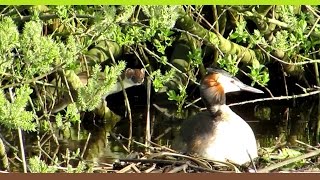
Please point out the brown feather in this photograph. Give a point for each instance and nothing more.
(211, 91)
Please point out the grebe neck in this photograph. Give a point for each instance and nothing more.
(213, 98)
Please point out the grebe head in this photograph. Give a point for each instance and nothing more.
(216, 83)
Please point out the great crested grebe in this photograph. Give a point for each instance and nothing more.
(219, 133)
(130, 77)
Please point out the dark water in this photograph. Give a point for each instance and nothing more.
(290, 119)
(271, 121)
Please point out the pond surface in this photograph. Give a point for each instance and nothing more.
(271, 121)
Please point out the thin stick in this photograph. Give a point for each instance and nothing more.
(316, 70)
(307, 145)
(20, 139)
(123, 146)
(33, 79)
(125, 169)
(275, 98)
(192, 103)
(151, 168)
(148, 133)
(263, 99)
(179, 168)
(126, 102)
(85, 146)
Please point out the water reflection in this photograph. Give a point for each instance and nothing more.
(272, 122)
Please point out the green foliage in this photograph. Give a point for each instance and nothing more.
(164, 16)
(9, 40)
(179, 98)
(41, 54)
(38, 54)
(159, 80)
(72, 113)
(74, 156)
(257, 38)
(288, 40)
(164, 40)
(59, 121)
(240, 34)
(258, 74)
(36, 165)
(62, 11)
(72, 116)
(69, 53)
(126, 12)
(82, 166)
(29, 57)
(195, 57)
(229, 63)
(89, 97)
(13, 114)
(270, 156)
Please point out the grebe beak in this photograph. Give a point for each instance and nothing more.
(244, 87)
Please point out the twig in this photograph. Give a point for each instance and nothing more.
(192, 103)
(45, 153)
(252, 162)
(311, 9)
(7, 143)
(307, 145)
(134, 167)
(141, 61)
(290, 63)
(179, 168)
(126, 102)
(284, 80)
(51, 16)
(150, 147)
(275, 98)
(148, 133)
(86, 145)
(151, 168)
(205, 169)
(33, 79)
(163, 147)
(153, 161)
(166, 131)
(264, 99)
(123, 146)
(289, 161)
(164, 111)
(202, 164)
(22, 151)
(125, 169)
